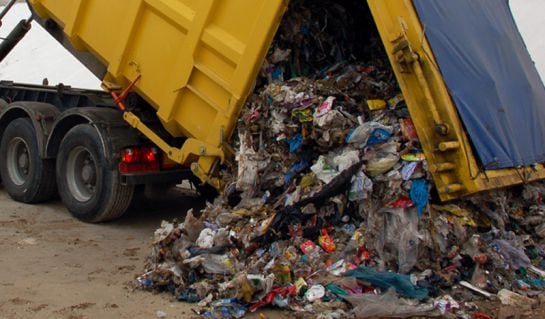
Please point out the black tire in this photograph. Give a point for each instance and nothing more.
(90, 190)
(26, 177)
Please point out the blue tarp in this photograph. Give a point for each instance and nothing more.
(491, 78)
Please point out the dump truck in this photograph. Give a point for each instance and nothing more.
(176, 75)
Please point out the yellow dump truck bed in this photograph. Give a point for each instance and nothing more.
(195, 62)
(198, 59)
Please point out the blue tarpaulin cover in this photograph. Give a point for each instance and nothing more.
(491, 78)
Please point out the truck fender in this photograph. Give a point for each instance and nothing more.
(42, 116)
(114, 132)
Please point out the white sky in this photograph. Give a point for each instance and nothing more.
(38, 55)
(530, 18)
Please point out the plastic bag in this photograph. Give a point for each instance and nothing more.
(514, 257)
(324, 171)
(360, 188)
(280, 55)
(163, 232)
(206, 238)
(384, 159)
(295, 143)
(372, 132)
(218, 264)
(388, 306)
(399, 238)
(325, 117)
(315, 292)
(225, 309)
(386, 280)
(329, 167)
(408, 170)
(346, 159)
(419, 195)
(381, 165)
(295, 169)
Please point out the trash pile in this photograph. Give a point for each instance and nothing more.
(329, 208)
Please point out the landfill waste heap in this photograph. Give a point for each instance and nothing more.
(330, 209)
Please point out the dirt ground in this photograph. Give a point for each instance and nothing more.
(54, 266)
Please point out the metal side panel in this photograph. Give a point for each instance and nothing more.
(448, 150)
(198, 59)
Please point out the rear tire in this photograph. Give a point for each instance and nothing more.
(26, 177)
(88, 188)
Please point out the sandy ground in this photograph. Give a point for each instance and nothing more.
(53, 266)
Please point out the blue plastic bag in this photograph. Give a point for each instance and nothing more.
(419, 195)
(386, 280)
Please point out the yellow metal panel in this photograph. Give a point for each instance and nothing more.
(198, 59)
(444, 140)
(63, 12)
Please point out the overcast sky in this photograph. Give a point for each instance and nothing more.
(38, 56)
(530, 17)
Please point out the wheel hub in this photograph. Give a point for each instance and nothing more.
(23, 161)
(88, 173)
(18, 161)
(81, 172)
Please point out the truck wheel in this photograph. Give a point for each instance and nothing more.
(26, 177)
(90, 190)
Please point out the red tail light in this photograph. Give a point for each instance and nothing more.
(128, 156)
(139, 160)
(150, 156)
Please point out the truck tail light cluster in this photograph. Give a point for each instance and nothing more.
(139, 160)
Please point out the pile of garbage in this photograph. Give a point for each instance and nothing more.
(330, 208)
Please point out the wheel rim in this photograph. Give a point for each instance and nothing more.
(18, 161)
(81, 172)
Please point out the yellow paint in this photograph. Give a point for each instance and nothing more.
(198, 60)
